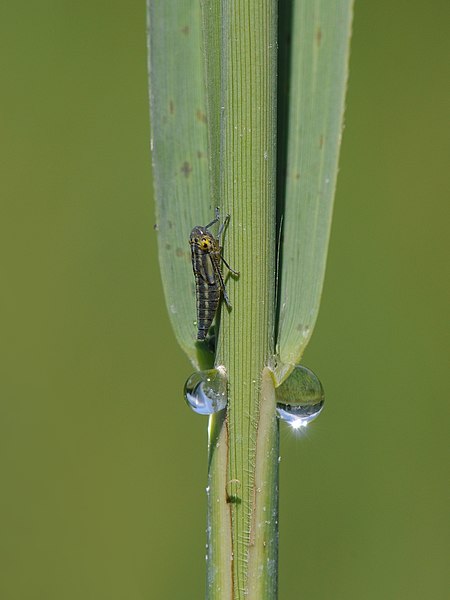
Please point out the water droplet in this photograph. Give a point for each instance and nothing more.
(206, 391)
(232, 489)
(300, 398)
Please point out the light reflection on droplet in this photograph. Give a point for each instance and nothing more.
(206, 391)
(300, 398)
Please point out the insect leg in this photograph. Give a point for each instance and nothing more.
(222, 227)
(228, 266)
(208, 269)
(222, 284)
(197, 266)
(225, 297)
(215, 220)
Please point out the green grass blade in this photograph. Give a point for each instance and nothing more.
(212, 52)
(318, 75)
(180, 160)
(246, 341)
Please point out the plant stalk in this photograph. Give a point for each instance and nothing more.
(243, 462)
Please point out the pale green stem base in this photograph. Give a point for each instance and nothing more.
(225, 506)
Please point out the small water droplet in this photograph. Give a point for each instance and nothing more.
(300, 398)
(206, 391)
(232, 489)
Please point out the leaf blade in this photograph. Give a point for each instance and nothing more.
(318, 78)
(179, 153)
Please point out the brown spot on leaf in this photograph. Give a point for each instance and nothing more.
(179, 252)
(171, 107)
(185, 30)
(321, 142)
(201, 116)
(297, 175)
(200, 154)
(318, 36)
(186, 169)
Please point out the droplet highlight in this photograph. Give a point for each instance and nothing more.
(206, 391)
(300, 398)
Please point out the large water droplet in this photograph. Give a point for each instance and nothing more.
(206, 391)
(300, 398)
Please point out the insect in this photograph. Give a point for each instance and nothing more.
(206, 263)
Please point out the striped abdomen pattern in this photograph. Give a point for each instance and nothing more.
(207, 260)
(208, 296)
(206, 256)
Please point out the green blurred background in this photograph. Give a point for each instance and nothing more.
(102, 466)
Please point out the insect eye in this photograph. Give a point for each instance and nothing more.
(196, 240)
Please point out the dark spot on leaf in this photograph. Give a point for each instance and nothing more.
(201, 116)
(168, 247)
(200, 154)
(318, 36)
(169, 224)
(179, 252)
(233, 499)
(171, 107)
(297, 175)
(185, 29)
(186, 169)
(321, 142)
(156, 227)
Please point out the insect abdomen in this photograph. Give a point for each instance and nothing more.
(208, 296)
(206, 254)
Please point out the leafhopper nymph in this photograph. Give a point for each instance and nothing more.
(207, 262)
